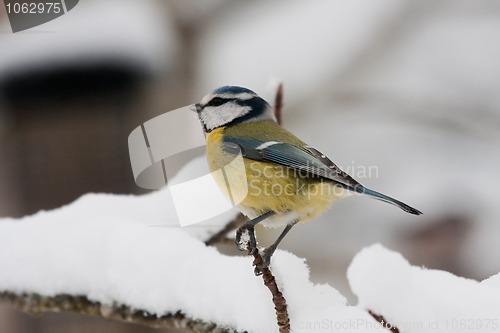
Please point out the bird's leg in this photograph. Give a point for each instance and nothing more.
(269, 251)
(245, 236)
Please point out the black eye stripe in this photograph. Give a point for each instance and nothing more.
(218, 101)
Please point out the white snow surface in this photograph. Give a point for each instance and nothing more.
(416, 299)
(112, 248)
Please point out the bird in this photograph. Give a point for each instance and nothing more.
(286, 180)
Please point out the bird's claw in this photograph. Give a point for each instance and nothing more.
(245, 239)
(263, 261)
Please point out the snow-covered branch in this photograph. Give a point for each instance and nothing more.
(416, 299)
(119, 250)
(35, 304)
(115, 256)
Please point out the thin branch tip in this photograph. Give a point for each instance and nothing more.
(278, 103)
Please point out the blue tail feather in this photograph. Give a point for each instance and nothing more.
(385, 198)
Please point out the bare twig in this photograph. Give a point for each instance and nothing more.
(279, 300)
(35, 304)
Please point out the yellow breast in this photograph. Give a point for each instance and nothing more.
(262, 186)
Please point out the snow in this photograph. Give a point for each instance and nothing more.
(416, 299)
(493, 281)
(111, 248)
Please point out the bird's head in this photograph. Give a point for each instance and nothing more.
(230, 105)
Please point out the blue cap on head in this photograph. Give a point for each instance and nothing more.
(232, 90)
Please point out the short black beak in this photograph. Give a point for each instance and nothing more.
(196, 107)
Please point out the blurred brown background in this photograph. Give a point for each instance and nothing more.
(410, 88)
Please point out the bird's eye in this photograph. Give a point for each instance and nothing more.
(216, 101)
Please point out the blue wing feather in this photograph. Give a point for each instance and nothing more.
(305, 159)
(311, 161)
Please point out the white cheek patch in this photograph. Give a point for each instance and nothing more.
(214, 117)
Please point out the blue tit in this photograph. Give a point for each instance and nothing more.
(287, 181)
